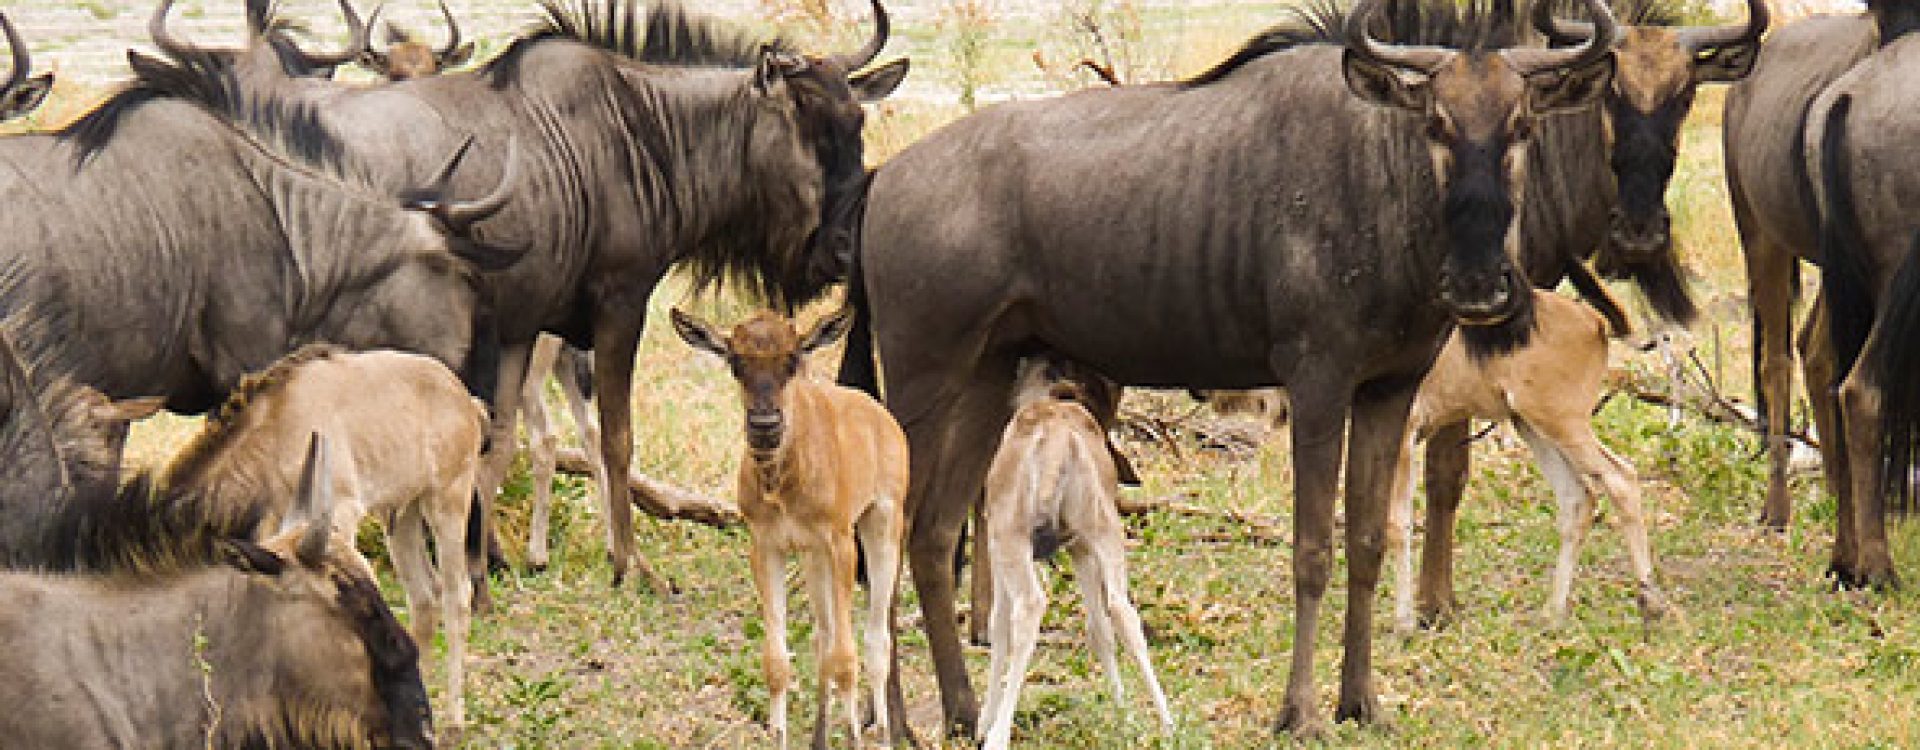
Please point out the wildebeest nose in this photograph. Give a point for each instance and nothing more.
(763, 420)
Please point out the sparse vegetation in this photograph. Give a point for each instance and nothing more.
(1761, 652)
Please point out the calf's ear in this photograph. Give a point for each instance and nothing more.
(828, 330)
(698, 334)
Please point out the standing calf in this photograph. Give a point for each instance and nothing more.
(407, 440)
(1548, 390)
(1053, 483)
(822, 464)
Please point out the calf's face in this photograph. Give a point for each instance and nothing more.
(764, 353)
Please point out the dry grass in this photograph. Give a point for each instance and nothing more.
(1762, 654)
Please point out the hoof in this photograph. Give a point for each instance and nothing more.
(497, 563)
(1359, 710)
(1437, 618)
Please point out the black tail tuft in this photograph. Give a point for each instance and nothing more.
(1893, 367)
(857, 365)
(1844, 267)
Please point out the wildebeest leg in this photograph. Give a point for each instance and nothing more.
(1574, 519)
(542, 443)
(1770, 295)
(981, 598)
(770, 579)
(407, 546)
(1448, 459)
(1093, 598)
(1106, 562)
(575, 385)
(615, 340)
(1860, 418)
(1817, 366)
(497, 459)
(882, 529)
(448, 519)
(1016, 629)
(830, 587)
(1319, 417)
(1373, 443)
(1400, 534)
(950, 449)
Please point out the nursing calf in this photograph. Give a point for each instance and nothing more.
(1053, 483)
(1548, 390)
(823, 463)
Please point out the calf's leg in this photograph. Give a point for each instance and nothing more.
(542, 448)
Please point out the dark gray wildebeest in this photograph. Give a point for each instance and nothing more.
(277, 643)
(652, 140)
(1624, 150)
(1212, 234)
(1772, 199)
(184, 255)
(21, 93)
(407, 56)
(1859, 159)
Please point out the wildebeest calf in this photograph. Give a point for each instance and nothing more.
(1548, 389)
(407, 439)
(1053, 483)
(286, 645)
(823, 463)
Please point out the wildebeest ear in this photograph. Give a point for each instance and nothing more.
(1383, 84)
(878, 83)
(129, 410)
(26, 97)
(827, 330)
(246, 556)
(1725, 64)
(1557, 91)
(774, 67)
(697, 333)
(459, 57)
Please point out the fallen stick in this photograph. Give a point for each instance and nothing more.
(660, 499)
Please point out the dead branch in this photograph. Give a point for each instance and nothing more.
(1699, 399)
(660, 499)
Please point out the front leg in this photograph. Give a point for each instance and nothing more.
(770, 580)
(1374, 439)
(1449, 457)
(1319, 416)
(615, 341)
(495, 460)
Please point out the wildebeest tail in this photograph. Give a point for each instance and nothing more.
(857, 366)
(1844, 266)
(1596, 295)
(1893, 368)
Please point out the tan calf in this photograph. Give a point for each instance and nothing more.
(822, 464)
(406, 442)
(1053, 482)
(1548, 390)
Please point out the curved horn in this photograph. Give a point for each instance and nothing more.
(316, 503)
(362, 37)
(881, 28)
(1415, 58)
(458, 217)
(453, 33)
(165, 40)
(1598, 44)
(21, 65)
(1559, 31)
(1704, 37)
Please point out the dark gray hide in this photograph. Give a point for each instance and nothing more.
(182, 256)
(650, 140)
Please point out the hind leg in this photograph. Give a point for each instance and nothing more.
(1860, 410)
(1770, 294)
(407, 545)
(1105, 566)
(495, 462)
(1817, 365)
(1400, 534)
(1575, 516)
(1448, 459)
(1090, 579)
(449, 523)
(542, 445)
(1022, 601)
(770, 580)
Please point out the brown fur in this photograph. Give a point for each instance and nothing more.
(837, 469)
(1548, 390)
(408, 438)
(1052, 474)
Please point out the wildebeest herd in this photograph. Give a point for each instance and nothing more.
(1358, 206)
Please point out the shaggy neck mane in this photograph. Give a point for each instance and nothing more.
(1471, 25)
(208, 78)
(194, 464)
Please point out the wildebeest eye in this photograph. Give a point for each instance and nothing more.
(1522, 128)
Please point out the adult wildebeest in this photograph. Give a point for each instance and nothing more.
(407, 57)
(652, 141)
(21, 93)
(295, 648)
(1115, 228)
(1624, 150)
(271, 50)
(1772, 200)
(1859, 134)
(178, 292)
